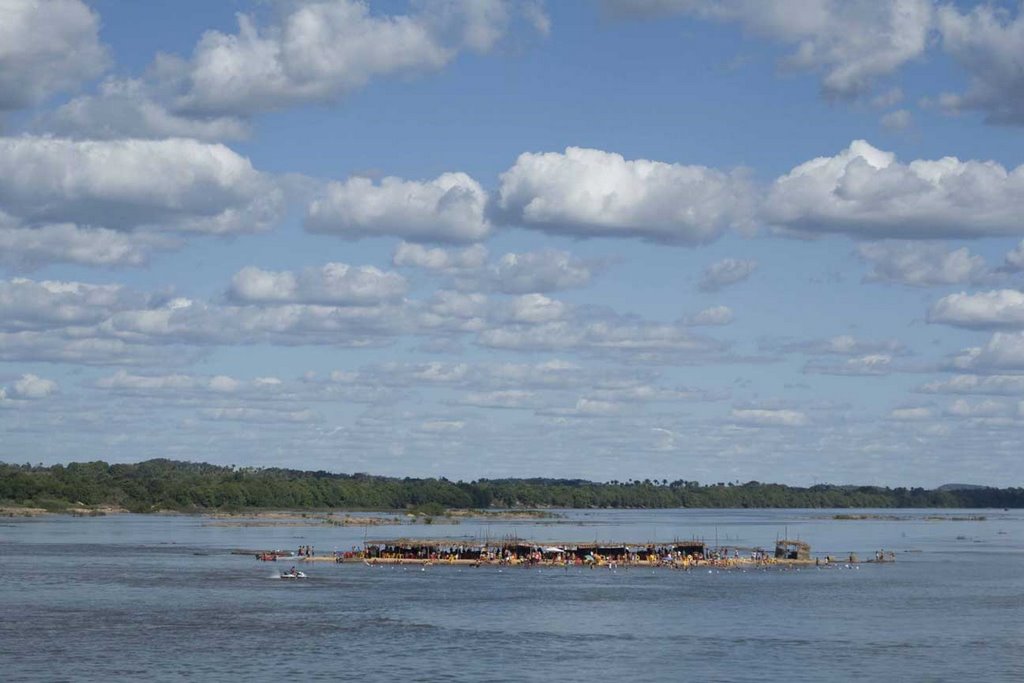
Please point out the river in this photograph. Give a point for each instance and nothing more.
(137, 597)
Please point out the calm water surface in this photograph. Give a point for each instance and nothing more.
(162, 598)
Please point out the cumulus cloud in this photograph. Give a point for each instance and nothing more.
(46, 47)
(866, 192)
(1004, 352)
(985, 408)
(986, 42)
(27, 247)
(996, 308)
(613, 335)
(872, 365)
(442, 426)
(996, 385)
(449, 208)
(506, 399)
(319, 51)
(586, 407)
(917, 414)
(31, 387)
(35, 305)
(130, 108)
(726, 272)
(762, 417)
(896, 120)
(86, 347)
(175, 385)
(444, 260)
(1015, 258)
(533, 309)
(841, 345)
(332, 283)
(539, 271)
(922, 264)
(258, 415)
(715, 315)
(175, 184)
(851, 43)
(547, 270)
(592, 193)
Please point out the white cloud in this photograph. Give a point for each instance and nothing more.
(922, 264)
(726, 272)
(842, 345)
(534, 309)
(888, 98)
(875, 364)
(46, 47)
(865, 192)
(539, 271)
(611, 334)
(128, 108)
(897, 120)
(318, 51)
(987, 42)
(996, 385)
(83, 347)
(444, 260)
(647, 393)
(449, 208)
(442, 426)
(591, 193)
(1015, 258)
(25, 247)
(996, 308)
(332, 284)
(125, 381)
(715, 315)
(985, 408)
(173, 184)
(853, 43)
(182, 385)
(586, 407)
(1004, 352)
(910, 414)
(258, 415)
(508, 398)
(34, 305)
(34, 387)
(547, 270)
(761, 417)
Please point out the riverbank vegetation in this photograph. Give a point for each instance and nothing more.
(156, 485)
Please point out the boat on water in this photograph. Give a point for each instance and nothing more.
(293, 574)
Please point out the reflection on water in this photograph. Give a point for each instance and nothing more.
(129, 597)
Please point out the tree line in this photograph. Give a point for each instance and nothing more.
(185, 486)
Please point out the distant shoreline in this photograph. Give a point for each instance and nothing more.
(156, 486)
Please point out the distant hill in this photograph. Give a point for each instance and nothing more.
(961, 487)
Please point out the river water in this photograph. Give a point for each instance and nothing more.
(133, 597)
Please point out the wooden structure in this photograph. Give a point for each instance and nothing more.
(787, 549)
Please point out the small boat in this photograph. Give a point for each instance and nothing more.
(293, 574)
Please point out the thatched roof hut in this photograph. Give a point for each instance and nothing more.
(787, 549)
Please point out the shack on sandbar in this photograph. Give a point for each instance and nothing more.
(787, 549)
(426, 550)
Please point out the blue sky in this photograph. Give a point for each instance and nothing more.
(666, 238)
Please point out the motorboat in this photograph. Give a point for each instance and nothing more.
(293, 574)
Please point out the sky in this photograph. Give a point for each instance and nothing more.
(610, 239)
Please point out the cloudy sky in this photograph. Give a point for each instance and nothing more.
(718, 241)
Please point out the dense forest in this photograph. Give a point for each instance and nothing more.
(185, 486)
